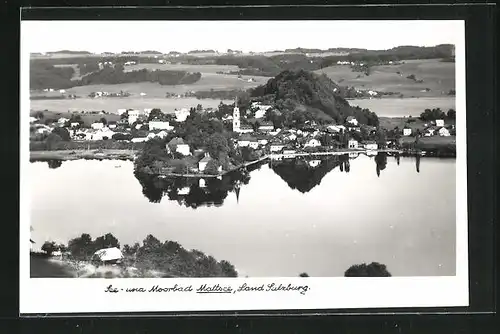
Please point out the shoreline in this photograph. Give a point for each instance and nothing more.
(105, 154)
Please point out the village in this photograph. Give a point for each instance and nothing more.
(260, 138)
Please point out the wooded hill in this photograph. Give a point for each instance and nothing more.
(306, 95)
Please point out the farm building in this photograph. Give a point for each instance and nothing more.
(111, 255)
(406, 131)
(352, 143)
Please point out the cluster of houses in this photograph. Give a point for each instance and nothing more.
(434, 128)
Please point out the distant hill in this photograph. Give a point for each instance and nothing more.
(201, 51)
(69, 52)
(315, 96)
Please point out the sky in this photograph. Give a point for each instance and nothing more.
(257, 36)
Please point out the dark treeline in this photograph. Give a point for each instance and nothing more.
(117, 76)
(44, 75)
(218, 94)
(168, 257)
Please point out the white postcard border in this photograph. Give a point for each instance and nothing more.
(65, 295)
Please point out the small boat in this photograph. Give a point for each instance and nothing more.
(118, 166)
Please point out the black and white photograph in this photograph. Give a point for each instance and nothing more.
(179, 151)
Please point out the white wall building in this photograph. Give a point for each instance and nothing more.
(159, 125)
(313, 143)
(183, 149)
(439, 122)
(182, 114)
(406, 131)
(97, 125)
(371, 146)
(352, 143)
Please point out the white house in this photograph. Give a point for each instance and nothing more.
(103, 134)
(74, 124)
(276, 147)
(202, 164)
(336, 128)
(245, 129)
(33, 119)
(371, 145)
(352, 121)
(183, 149)
(97, 125)
(183, 191)
(313, 143)
(112, 126)
(244, 142)
(121, 111)
(314, 163)
(406, 131)
(352, 143)
(62, 91)
(266, 126)
(147, 111)
(372, 93)
(142, 94)
(439, 122)
(156, 124)
(253, 143)
(262, 141)
(444, 132)
(108, 255)
(182, 114)
(139, 139)
(62, 120)
(202, 183)
(132, 119)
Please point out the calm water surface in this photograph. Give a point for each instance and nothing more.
(281, 219)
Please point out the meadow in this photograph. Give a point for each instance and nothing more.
(396, 107)
(208, 81)
(437, 76)
(182, 67)
(111, 105)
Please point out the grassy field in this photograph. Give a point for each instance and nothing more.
(438, 76)
(431, 142)
(111, 105)
(395, 107)
(208, 81)
(182, 67)
(87, 119)
(390, 123)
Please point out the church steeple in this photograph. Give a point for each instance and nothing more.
(237, 191)
(236, 116)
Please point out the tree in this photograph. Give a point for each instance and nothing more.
(303, 275)
(49, 247)
(52, 141)
(63, 133)
(217, 144)
(451, 114)
(155, 113)
(106, 241)
(212, 167)
(39, 115)
(81, 247)
(374, 269)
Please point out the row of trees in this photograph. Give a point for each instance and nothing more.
(168, 256)
(437, 113)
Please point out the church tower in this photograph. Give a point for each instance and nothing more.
(236, 116)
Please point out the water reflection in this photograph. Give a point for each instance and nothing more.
(53, 164)
(301, 173)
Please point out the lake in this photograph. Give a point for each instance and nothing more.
(280, 219)
(396, 107)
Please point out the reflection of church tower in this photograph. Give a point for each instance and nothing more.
(397, 158)
(378, 170)
(236, 116)
(237, 191)
(417, 163)
(347, 166)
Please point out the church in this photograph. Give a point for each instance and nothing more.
(237, 127)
